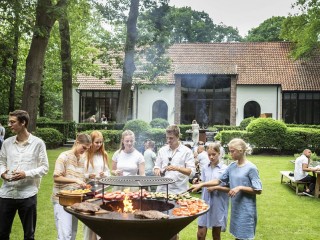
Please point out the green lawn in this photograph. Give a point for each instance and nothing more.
(282, 215)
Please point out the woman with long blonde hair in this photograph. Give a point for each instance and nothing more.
(127, 161)
(96, 167)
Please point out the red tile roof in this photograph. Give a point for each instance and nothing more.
(265, 63)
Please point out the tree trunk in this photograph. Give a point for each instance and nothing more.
(66, 67)
(42, 100)
(14, 65)
(45, 18)
(129, 66)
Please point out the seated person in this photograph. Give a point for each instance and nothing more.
(301, 170)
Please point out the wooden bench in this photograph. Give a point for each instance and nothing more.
(294, 184)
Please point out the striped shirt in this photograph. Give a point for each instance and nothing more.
(67, 165)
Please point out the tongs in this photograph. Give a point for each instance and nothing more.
(185, 192)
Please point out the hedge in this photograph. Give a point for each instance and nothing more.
(226, 136)
(298, 139)
(52, 137)
(67, 129)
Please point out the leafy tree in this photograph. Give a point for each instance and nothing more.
(193, 26)
(303, 29)
(268, 31)
(45, 18)
(86, 38)
(15, 25)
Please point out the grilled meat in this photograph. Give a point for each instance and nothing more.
(85, 207)
(152, 214)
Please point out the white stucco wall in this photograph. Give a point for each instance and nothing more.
(144, 98)
(76, 104)
(268, 97)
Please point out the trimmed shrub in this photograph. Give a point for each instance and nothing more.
(226, 127)
(302, 125)
(298, 139)
(140, 129)
(67, 129)
(159, 123)
(52, 137)
(267, 133)
(226, 136)
(245, 122)
(137, 126)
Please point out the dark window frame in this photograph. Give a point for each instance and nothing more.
(301, 107)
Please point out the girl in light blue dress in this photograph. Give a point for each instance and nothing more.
(216, 197)
(244, 181)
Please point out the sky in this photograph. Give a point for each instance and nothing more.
(241, 14)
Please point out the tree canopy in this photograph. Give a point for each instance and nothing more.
(303, 29)
(268, 31)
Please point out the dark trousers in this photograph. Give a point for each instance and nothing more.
(27, 210)
(312, 180)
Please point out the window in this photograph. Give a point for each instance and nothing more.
(205, 98)
(160, 110)
(98, 103)
(301, 107)
(251, 109)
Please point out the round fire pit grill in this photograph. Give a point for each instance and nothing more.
(122, 226)
(136, 181)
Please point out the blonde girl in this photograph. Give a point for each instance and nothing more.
(96, 165)
(244, 181)
(216, 197)
(127, 161)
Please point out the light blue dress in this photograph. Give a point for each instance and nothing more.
(217, 200)
(243, 219)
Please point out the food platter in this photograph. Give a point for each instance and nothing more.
(69, 197)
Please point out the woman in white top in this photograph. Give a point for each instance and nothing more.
(95, 167)
(127, 161)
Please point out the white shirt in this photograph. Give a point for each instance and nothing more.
(181, 157)
(128, 162)
(98, 167)
(298, 172)
(31, 158)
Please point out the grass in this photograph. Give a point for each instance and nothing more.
(282, 214)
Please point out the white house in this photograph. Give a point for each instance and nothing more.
(216, 83)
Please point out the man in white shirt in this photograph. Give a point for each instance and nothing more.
(174, 161)
(301, 170)
(23, 161)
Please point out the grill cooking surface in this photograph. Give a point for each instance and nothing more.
(136, 181)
